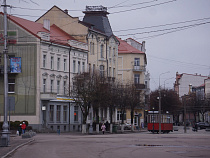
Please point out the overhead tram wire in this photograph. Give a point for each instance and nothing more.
(148, 27)
(153, 36)
(143, 7)
(130, 5)
(186, 26)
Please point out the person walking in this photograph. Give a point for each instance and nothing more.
(103, 128)
(23, 127)
(20, 129)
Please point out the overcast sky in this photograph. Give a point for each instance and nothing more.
(181, 45)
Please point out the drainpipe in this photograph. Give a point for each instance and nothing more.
(69, 83)
(107, 58)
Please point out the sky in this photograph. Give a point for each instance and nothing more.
(176, 32)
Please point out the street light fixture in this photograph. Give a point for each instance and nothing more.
(166, 80)
(159, 115)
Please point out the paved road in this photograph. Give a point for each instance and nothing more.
(143, 144)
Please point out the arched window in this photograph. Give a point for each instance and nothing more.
(102, 70)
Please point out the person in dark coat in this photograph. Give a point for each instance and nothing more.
(20, 129)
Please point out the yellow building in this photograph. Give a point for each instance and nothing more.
(131, 69)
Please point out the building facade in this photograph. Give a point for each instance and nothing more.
(95, 30)
(39, 92)
(131, 69)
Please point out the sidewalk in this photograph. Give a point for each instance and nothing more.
(15, 143)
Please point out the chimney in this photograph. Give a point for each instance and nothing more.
(143, 47)
(190, 89)
(66, 11)
(47, 24)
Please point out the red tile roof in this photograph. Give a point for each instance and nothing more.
(124, 47)
(56, 34)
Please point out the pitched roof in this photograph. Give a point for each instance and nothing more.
(57, 35)
(124, 47)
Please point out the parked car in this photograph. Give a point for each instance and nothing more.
(202, 125)
(127, 126)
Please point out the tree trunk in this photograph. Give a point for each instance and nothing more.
(84, 129)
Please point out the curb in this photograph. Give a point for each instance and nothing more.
(17, 148)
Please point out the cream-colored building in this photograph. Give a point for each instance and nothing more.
(131, 69)
(102, 44)
(96, 32)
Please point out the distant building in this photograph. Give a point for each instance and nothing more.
(181, 85)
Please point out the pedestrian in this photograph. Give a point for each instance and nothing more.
(23, 126)
(196, 127)
(20, 129)
(103, 128)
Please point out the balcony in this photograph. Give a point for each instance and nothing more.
(139, 68)
(140, 86)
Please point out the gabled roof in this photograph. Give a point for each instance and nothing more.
(57, 35)
(124, 47)
(58, 9)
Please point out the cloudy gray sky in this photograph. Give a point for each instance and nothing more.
(177, 32)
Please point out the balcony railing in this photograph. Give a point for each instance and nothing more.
(139, 68)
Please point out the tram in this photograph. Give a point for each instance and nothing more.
(153, 122)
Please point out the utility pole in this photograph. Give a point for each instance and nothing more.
(5, 132)
(159, 111)
(185, 128)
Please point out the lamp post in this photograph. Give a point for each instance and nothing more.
(166, 80)
(5, 132)
(153, 120)
(159, 111)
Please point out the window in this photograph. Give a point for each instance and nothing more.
(146, 84)
(76, 108)
(102, 51)
(74, 66)
(78, 66)
(51, 114)
(44, 61)
(51, 86)
(83, 66)
(101, 70)
(94, 68)
(58, 64)
(58, 113)
(58, 86)
(64, 113)
(119, 116)
(44, 85)
(136, 78)
(114, 52)
(113, 72)
(64, 87)
(110, 55)
(52, 63)
(11, 85)
(136, 61)
(64, 65)
(91, 48)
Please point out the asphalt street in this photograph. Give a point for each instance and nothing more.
(139, 144)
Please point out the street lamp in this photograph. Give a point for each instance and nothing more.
(166, 80)
(159, 111)
(153, 120)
